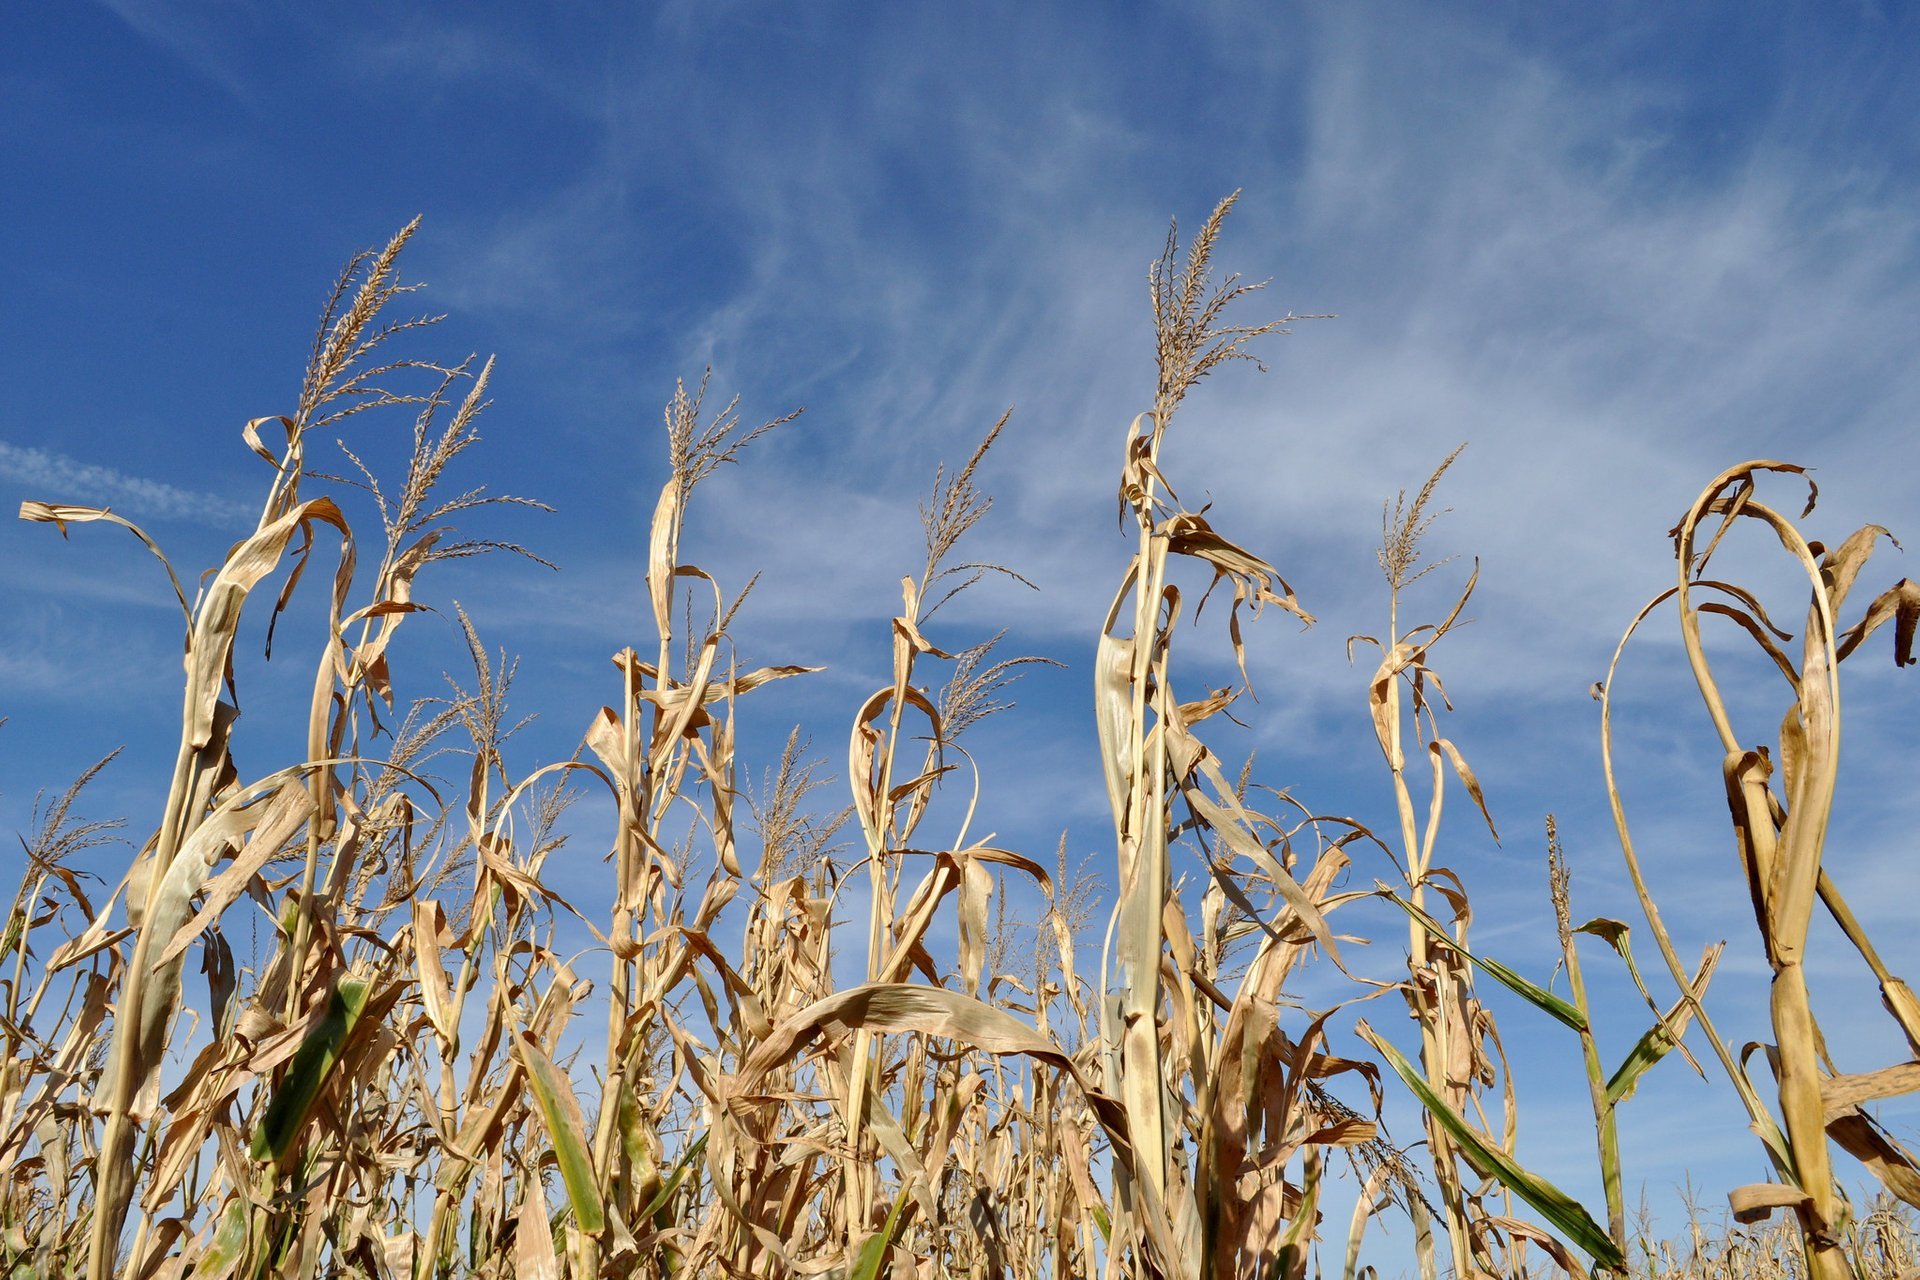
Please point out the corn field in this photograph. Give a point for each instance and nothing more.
(404, 1055)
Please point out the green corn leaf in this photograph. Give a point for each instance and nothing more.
(873, 1250)
(560, 1111)
(1293, 1244)
(1537, 996)
(229, 1242)
(1615, 934)
(680, 1170)
(1650, 1048)
(1663, 1036)
(1556, 1206)
(307, 1075)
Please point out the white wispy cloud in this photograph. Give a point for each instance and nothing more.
(1521, 256)
(55, 477)
(200, 36)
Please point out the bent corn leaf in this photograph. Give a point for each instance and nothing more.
(1539, 997)
(1662, 1037)
(1555, 1205)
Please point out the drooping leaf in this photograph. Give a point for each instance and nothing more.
(1556, 1206)
(1662, 1037)
(681, 1168)
(1538, 996)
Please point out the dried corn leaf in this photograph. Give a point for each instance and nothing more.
(533, 1252)
(1899, 604)
(210, 649)
(60, 516)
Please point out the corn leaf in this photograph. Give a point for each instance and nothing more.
(560, 1111)
(873, 1250)
(1664, 1036)
(680, 1170)
(229, 1243)
(1555, 1205)
(312, 1064)
(1537, 996)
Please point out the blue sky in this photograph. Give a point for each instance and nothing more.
(1614, 248)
